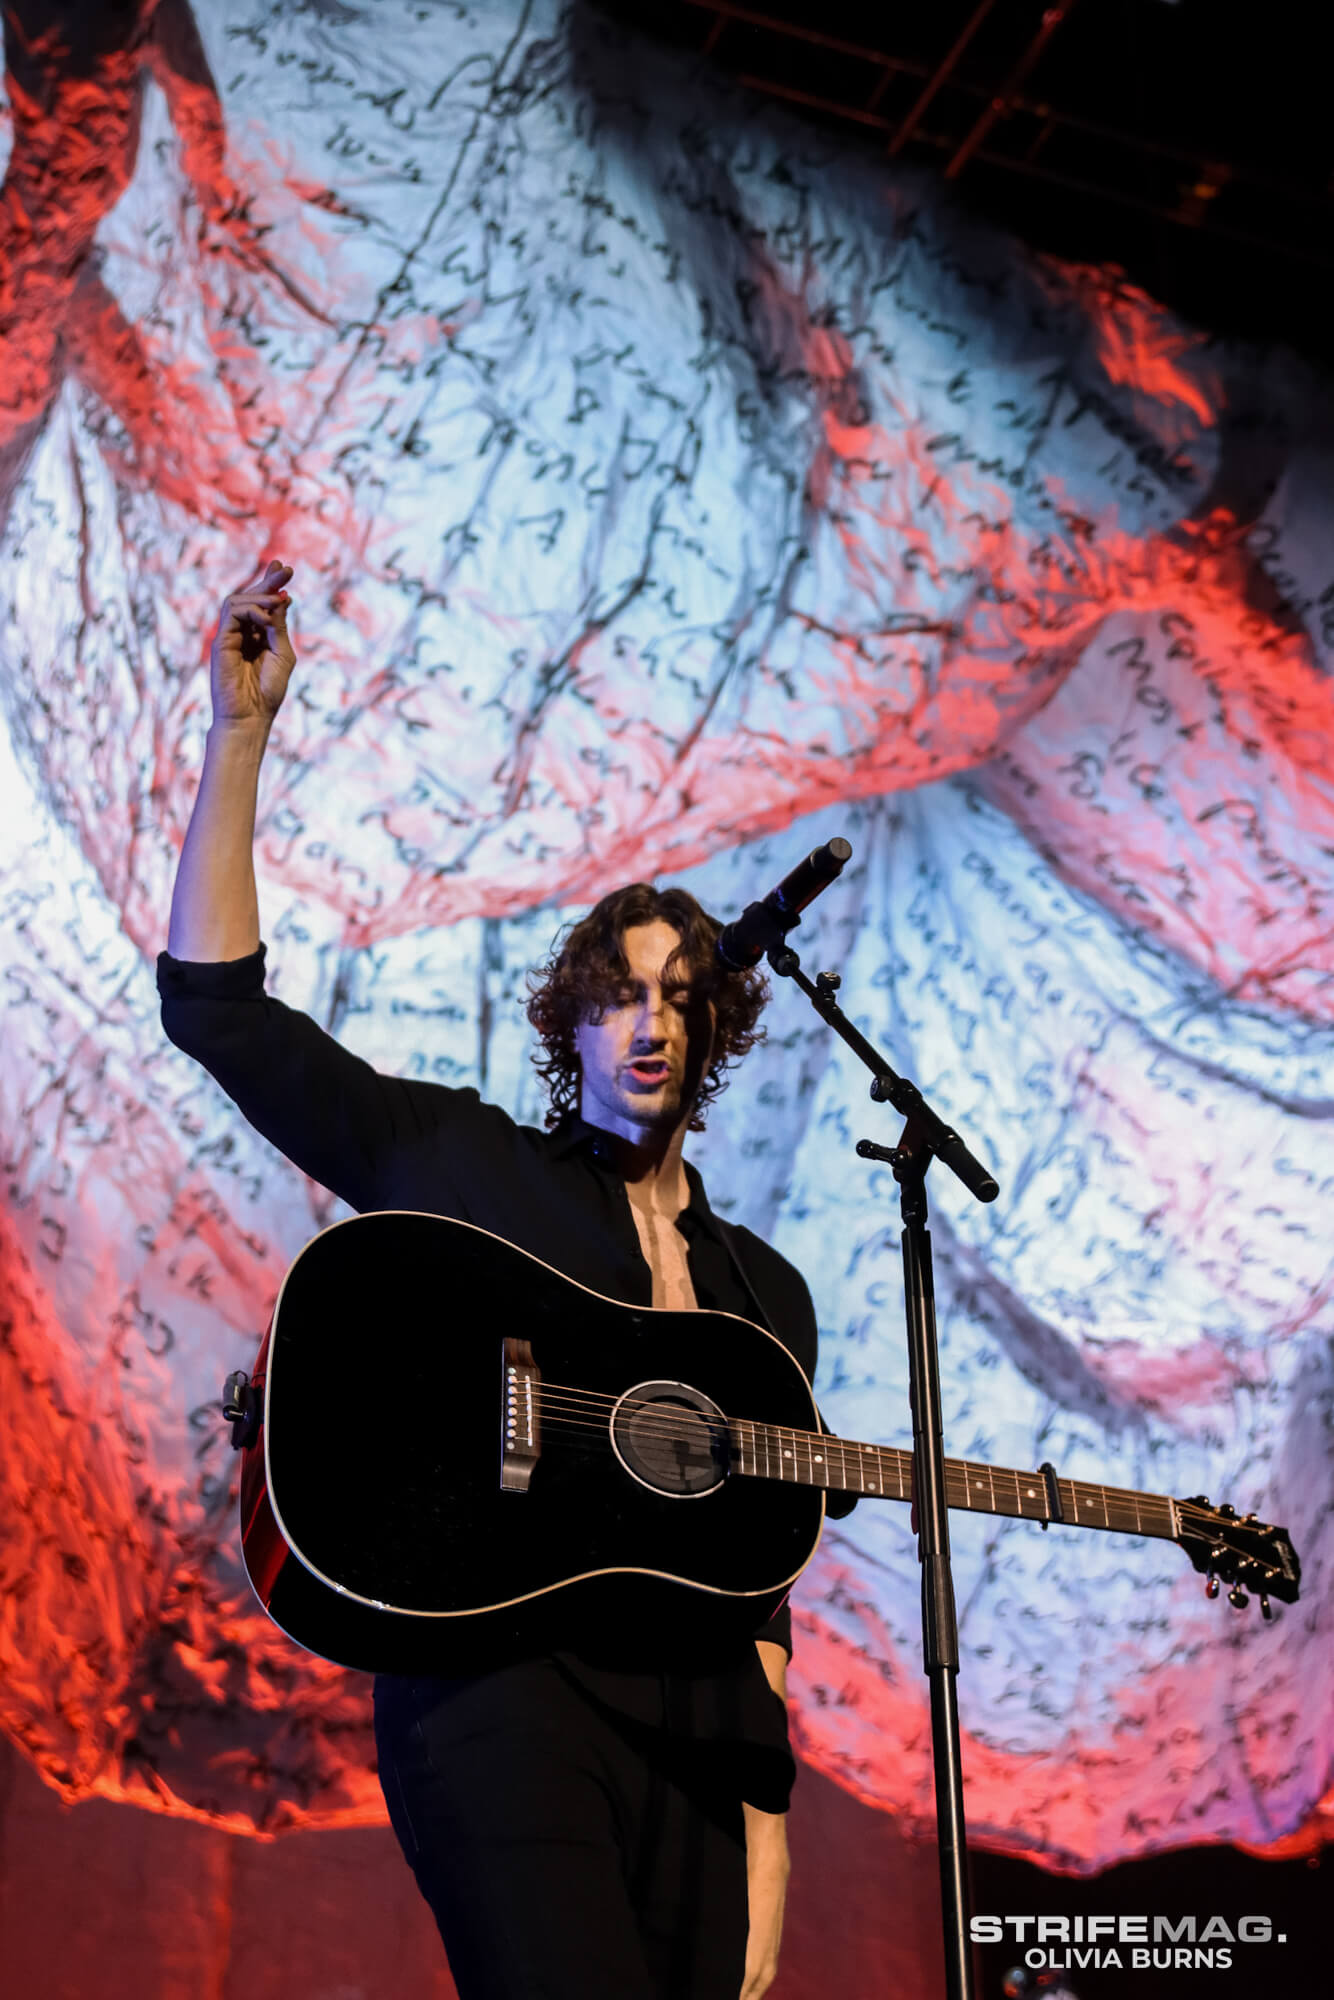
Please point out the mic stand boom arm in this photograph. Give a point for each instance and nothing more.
(925, 1137)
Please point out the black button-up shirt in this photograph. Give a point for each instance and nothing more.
(381, 1142)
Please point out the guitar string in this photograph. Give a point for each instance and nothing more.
(1178, 1514)
(602, 1436)
(659, 1433)
(568, 1413)
(573, 1398)
(598, 1434)
(666, 1428)
(664, 1433)
(955, 1489)
(572, 1394)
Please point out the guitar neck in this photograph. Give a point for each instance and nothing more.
(840, 1465)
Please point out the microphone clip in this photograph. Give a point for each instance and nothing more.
(761, 928)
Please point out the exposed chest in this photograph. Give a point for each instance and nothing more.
(667, 1256)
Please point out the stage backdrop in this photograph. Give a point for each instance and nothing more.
(667, 490)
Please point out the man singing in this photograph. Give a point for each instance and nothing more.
(606, 1820)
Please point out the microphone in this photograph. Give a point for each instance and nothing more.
(744, 942)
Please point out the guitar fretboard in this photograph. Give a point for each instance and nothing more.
(840, 1465)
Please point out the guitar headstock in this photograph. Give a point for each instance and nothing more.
(1236, 1549)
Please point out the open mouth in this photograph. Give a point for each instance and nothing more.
(648, 1071)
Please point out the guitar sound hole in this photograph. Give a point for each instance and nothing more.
(671, 1438)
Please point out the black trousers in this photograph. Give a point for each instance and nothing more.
(565, 1851)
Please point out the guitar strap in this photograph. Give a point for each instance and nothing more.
(728, 1235)
(734, 1248)
(765, 1320)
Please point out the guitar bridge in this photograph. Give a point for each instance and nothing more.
(521, 1425)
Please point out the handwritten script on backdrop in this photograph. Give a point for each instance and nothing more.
(667, 489)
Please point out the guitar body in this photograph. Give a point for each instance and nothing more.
(375, 1528)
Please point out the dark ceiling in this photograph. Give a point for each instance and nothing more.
(1189, 141)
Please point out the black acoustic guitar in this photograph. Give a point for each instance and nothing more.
(452, 1449)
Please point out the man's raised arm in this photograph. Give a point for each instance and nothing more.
(214, 908)
(332, 1114)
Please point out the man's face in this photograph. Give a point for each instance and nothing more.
(641, 1065)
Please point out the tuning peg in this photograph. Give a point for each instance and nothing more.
(1237, 1598)
(829, 982)
(1266, 1611)
(1211, 1587)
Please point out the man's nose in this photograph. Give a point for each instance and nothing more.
(651, 1022)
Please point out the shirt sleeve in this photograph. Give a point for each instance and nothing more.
(330, 1113)
(786, 1299)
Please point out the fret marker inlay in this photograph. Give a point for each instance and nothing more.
(845, 1466)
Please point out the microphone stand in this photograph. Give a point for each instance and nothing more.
(925, 1137)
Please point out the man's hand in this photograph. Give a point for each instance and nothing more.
(767, 1864)
(214, 908)
(767, 1870)
(252, 657)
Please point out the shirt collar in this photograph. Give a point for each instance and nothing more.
(697, 1211)
(574, 1133)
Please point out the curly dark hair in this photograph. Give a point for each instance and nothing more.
(586, 974)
